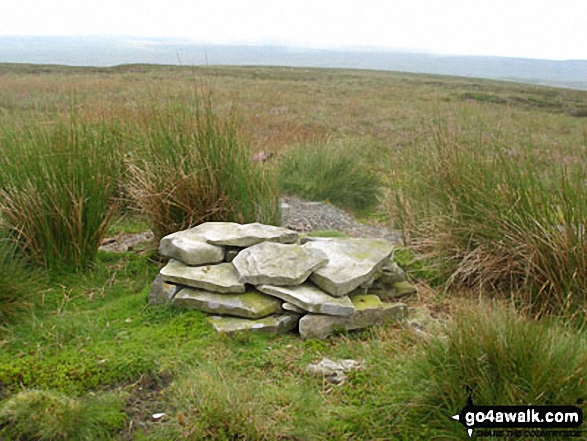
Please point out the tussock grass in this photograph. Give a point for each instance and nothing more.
(195, 167)
(48, 415)
(505, 358)
(329, 172)
(492, 221)
(57, 182)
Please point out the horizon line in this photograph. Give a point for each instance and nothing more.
(288, 46)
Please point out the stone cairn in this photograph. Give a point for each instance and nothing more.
(266, 278)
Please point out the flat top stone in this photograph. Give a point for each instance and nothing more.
(311, 298)
(218, 278)
(351, 262)
(277, 264)
(240, 235)
(190, 248)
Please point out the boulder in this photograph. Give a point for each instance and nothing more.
(311, 298)
(351, 263)
(369, 310)
(190, 248)
(278, 324)
(161, 292)
(271, 263)
(221, 278)
(251, 304)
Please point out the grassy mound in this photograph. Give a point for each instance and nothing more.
(505, 358)
(329, 172)
(47, 415)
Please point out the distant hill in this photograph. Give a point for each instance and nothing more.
(111, 51)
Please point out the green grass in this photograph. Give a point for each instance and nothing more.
(496, 222)
(505, 358)
(94, 335)
(326, 233)
(215, 402)
(484, 177)
(194, 167)
(329, 172)
(18, 284)
(57, 182)
(48, 415)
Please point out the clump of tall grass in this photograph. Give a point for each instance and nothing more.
(505, 358)
(331, 172)
(49, 415)
(494, 221)
(57, 182)
(194, 167)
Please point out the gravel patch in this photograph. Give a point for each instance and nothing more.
(306, 216)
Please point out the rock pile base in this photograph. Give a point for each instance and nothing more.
(256, 277)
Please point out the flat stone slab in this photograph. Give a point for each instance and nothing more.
(271, 263)
(278, 324)
(351, 262)
(311, 298)
(161, 292)
(221, 278)
(252, 305)
(369, 311)
(190, 248)
(245, 235)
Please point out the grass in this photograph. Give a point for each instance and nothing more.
(493, 222)
(505, 358)
(18, 284)
(194, 167)
(485, 178)
(215, 402)
(329, 172)
(57, 182)
(48, 415)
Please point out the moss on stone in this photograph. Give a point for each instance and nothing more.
(366, 301)
(401, 289)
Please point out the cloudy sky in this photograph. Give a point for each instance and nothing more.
(548, 29)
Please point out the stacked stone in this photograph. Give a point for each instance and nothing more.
(262, 277)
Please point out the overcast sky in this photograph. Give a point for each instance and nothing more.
(549, 29)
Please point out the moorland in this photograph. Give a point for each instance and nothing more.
(485, 180)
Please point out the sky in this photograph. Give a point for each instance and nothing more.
(544, 29)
